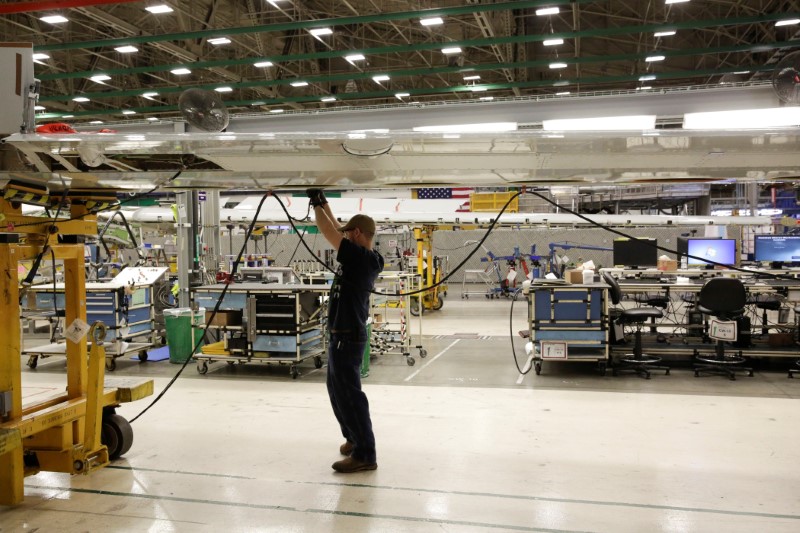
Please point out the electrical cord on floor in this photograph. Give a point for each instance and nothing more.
(648, 243)
(522, 371)
(423, 289)
(213, 313)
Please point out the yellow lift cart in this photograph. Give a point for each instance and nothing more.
(77, 431)
(431, 269)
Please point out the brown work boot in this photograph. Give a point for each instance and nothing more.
(346, 448)
(346, 466)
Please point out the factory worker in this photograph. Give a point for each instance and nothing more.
(348, 311)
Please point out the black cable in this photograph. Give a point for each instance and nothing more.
(213, 313)
(658, 247)
(424, 289)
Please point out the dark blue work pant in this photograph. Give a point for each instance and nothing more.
(350, 404)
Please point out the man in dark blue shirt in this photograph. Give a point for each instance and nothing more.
(348, 311)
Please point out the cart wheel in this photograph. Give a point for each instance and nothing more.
(143, 355)
(415, 307)
(410, 361)
(163, 341)
(318, 362)
(537, 367)
(423, 353)
(231, 363)
(116, 433)
(202, 367)
(111, 364)
(294, 372)
(438, 304)
(34, 360)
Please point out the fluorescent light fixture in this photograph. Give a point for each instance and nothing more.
(299, 83)
(488, 127)
(127, 49)
(486, 98)
(319, 32)
(181, 71)
(451, 50)
(98, 78)
(152, 119)
(380, 77)
(742, 72)
(772, 117)
(665, 33)
(631, 122)
(259, 102)
(39, 108)
(651, 59)
(354, 57)
(561, 83)
(40, 55)
(328, 99)
(263, 64)
(647, 77)
(787, 22)
(216, 41)
(158, 9)
(650, 134)
(478, 89)
(552, 42)
(274, 3)
(562, 93)
(400, 96)
(128, 112)
(223, 89)
(54, 19)
(431, 21)
(80, 99)
(668, 2)
(276, 110)
(149, 95)
(68, 116)
(96, 122)
(547, 11)
(472, 77)
(451, 136)
(558, 65)
(644, 88)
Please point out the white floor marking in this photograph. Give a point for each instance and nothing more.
(435, 357)
(524, 368)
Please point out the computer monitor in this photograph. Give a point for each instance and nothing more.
(636, 252)
(777, 248)
(701, 252)
(682, 246)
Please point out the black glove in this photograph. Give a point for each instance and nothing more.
(317, 197)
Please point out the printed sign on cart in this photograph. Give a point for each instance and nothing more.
(553, 350)
(722, 330)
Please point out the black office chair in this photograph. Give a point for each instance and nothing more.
(724, 298)
(765, 302)
(636, 362)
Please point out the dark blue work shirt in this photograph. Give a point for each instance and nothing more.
(348, 308)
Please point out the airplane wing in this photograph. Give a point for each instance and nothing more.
(137, 162)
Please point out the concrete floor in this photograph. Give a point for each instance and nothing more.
(464, 444)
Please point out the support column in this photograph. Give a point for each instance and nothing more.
(211, 240)
(186, 244)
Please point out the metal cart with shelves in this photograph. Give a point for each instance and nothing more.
(126, 305)
(391, 326)
(267, 323)
(568, 323)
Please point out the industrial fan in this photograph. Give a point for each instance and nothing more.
(203, 109)
(786, 79)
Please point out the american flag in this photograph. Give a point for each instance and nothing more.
(444, 193)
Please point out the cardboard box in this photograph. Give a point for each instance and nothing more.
(574, 276)
(225, 317)
(667, 264)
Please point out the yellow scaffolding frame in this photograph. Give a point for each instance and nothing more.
(61, 434)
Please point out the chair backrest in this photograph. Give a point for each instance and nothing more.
(723, 296)
(614, 292)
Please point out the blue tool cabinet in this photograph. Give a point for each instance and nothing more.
(568, 323)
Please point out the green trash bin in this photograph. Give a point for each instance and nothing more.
(182, 334)
(365, 362)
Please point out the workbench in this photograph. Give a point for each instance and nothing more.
(267, 323)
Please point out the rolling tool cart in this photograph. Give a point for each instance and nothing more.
(391, 326)
(568, 323)
(274, 324)
(126, 306)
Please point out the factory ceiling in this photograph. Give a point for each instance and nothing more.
(283, 55)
